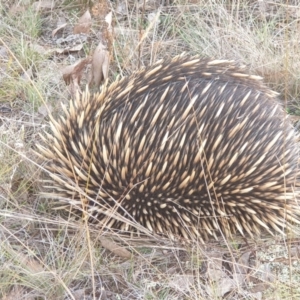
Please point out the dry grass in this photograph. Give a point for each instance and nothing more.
(44, 255)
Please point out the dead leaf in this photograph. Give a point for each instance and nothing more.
(241, 268)
(100, 65)
(266, 273)
(18, 292)
(5, 109)
(16, 9)
(72, 39)
(181, 282)
(3, 53)
(99, 10)
(45, 110)
(27, 75)
(221, 283)
(54, 32)
(43, 4)
(29, 263)
(152, 17)
(154, 21)
(295, 252)
(76, 48)
(121, 8)
(60, 21)
(214, 266)
(108, 20)
(244, 262)
(79, 294)
(113, 247)
(72, 74)
(38, 48)
(262, 6)
(257, 295)
(84, 23)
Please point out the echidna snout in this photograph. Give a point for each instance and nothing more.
(186, 147)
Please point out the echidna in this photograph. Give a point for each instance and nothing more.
(188, 147)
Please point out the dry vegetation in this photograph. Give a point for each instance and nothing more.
(46, 44)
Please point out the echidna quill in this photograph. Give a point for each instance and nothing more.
(187, 147)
